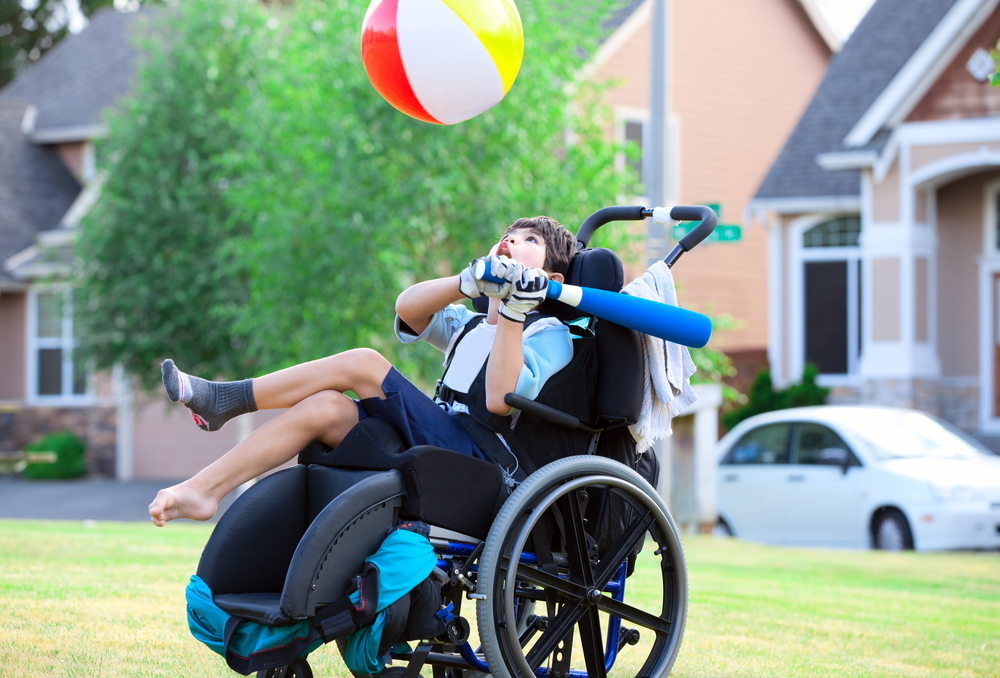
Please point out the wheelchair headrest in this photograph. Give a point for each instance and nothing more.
(599, 268)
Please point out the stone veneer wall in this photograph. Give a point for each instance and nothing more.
(95, 426)
(954, 399)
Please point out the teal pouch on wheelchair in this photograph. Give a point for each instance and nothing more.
(403, 561)
(208, 623)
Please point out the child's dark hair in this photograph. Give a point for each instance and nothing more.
(560, 244)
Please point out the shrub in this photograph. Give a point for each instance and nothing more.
(763, 398)
(69, 461)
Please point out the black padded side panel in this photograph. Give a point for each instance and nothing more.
(450, 490)
(326, 484)
(619, 372)
(262, 608)
(249, 549)
(334, 548)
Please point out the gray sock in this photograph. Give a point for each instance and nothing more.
(212, 403)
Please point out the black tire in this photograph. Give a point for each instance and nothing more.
(578, 594)
(299, 668)
(891, 531)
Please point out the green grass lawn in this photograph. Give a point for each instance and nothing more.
(107, 599)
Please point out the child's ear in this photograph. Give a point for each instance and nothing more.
(558, 277)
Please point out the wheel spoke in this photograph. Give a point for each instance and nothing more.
(614, 556)
(634, 615)
(578, 555)
(552, 582)
(557, 629)
(592, 643)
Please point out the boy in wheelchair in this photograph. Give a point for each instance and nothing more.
(512, 351)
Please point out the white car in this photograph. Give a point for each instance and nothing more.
(858, 477)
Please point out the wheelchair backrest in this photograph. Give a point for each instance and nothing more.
(602, 384)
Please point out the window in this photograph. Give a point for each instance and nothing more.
(813, 441)
(839, 232)
(764, 445)
(831, 295)
(54, 373)
(633, 139)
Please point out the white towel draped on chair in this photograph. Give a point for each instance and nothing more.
(668, 366)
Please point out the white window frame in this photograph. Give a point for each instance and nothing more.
(622, 116)
(989, 265)
(799, 255)
(66, 342)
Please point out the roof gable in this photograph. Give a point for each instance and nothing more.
(924, 65)
(956, 93)
(857, 76)
(36, 189)
(77, 79)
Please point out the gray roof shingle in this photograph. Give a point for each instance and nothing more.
(73, 83)
(879, 47)
(36, 189)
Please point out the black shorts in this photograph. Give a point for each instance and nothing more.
(419, 420)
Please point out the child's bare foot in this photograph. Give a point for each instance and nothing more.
(181, 501)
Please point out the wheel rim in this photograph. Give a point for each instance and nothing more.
(580, 592)
(890, 534)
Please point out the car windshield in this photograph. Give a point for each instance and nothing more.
(895, 435)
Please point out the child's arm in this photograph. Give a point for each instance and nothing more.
(417, 304)
(504, 365)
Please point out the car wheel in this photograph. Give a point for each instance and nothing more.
(722, 529)
(891, 531)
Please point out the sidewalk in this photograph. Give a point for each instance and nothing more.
(85, 499)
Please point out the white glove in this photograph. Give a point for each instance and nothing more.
(472, 287)
(528, 292)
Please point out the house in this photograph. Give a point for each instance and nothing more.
(49, 118)
(743, 73)
(737, 96)
(882, 214)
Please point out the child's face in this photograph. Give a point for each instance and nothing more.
(524, 245)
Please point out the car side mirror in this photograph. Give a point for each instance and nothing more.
(836, 456)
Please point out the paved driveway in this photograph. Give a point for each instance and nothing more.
(84, 499)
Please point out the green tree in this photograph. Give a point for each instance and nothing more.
(265, 206)
(153, 275)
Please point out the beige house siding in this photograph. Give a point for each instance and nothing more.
(885, 196)
(72, 155)
(923, 155)
(957, 94)
(885, 299)
(731, 130)
(169, 445)
(960, 237)
(13, 309)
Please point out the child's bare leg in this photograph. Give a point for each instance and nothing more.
(214, 403)
(327, 416)
(361, 370)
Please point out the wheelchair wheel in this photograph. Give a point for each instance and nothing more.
(571, 594)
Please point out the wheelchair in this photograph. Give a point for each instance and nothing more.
(545, 564)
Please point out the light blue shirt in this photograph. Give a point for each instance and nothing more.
(547, 346)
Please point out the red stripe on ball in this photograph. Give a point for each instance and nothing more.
(384, 66)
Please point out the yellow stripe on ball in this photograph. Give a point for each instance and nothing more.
(498, 25)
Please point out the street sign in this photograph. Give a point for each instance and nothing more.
(722, 232)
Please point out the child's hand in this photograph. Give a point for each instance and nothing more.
(500, 266)
(528, 291)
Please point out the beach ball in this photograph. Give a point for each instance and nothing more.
(442, 61)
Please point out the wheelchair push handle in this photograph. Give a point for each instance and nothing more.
(700, 213)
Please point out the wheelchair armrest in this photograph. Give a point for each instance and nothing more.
(548, 413)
